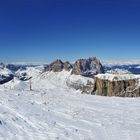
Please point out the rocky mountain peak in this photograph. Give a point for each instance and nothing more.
(58, 66)
(67, 66)
(87, 67)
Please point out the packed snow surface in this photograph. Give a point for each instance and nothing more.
(53, 111)
(117, 77)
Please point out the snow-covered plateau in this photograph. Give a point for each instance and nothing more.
(54, 111)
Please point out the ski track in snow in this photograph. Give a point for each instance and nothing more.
(53, 111)
(74, 116)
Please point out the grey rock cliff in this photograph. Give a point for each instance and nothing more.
(87, 67)
(58, 66)
(122, 88)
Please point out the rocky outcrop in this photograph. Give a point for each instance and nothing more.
(74, 84)
(23, 76)
(5, 78)
(55, 66)
(79, 82)
(87, 67)
(67, 66)
(89, 88)
(117, 87)
(58, 66)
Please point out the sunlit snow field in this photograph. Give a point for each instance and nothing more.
(52, 111)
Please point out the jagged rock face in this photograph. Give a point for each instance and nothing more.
(85, 67)
(55, 66)
(58, 66)
(88, 67)
(122, 88)
(67, 66)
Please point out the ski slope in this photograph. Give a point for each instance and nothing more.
(53, 111)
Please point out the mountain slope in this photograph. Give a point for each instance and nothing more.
(54, 110)
(67, 114)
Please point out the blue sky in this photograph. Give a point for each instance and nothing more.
(43, 30)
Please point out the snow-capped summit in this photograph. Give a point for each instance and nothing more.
(5, 74)
(29, 72)
(118, 71)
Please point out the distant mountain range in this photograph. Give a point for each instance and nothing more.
(79, 75)
(132, 66)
